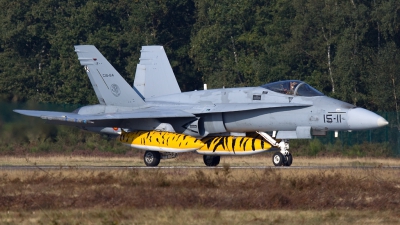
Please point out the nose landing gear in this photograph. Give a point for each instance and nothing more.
(283, 157)
(278, 159)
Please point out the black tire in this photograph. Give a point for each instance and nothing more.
(277, 159)
(211, 160)
(151, 158)
(288, 160)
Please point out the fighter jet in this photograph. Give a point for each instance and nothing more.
(155, 116)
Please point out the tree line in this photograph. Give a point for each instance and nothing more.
(348, 49)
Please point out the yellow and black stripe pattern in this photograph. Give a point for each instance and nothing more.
(160, 141)
(229, 145)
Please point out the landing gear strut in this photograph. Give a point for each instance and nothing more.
(211, 160)
(283, 157)
(152, 158)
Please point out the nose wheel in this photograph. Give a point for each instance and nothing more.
(278, 159)
(289, 160)
(283, 157)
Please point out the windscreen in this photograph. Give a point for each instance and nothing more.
(292, 87)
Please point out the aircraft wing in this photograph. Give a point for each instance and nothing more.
(234, 107)
(157, 112)
(89, 118)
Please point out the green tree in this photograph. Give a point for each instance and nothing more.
(167, 23)
(239, 43)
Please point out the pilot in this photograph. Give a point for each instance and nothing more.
(292, 88)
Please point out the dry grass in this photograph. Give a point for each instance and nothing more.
(196, 196)
(175, 216)
(191, 159)
(222, 189)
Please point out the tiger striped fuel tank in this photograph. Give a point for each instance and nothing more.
(230, 145)
(161, 141)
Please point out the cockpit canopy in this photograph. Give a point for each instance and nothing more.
(293, 87)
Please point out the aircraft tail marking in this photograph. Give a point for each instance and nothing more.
(110, 87)
(154, 76)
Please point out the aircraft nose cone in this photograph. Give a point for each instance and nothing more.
(360, 119)
(382, 122)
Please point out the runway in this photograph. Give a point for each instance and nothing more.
(47, 167)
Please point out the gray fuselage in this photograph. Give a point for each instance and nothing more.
(319, 113)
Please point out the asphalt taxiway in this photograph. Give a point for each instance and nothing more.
(48, 167)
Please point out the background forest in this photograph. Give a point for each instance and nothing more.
(349, 49)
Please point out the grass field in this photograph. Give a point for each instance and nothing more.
(174, 216)
(199, 196)
(191, 159)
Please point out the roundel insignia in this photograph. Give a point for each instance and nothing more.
(115, 90)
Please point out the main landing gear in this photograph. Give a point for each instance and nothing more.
(211, 160)
(283, 157)
(152, 158)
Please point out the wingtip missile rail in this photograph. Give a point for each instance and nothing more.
(67, 119)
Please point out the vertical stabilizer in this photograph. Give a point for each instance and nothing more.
(154, 76)
(110, 87)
